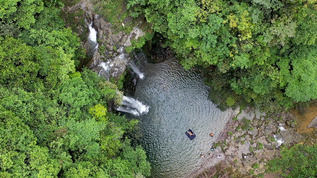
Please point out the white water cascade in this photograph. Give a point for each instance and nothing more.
(281, 128)
(132, 106)
(278, 140)
(93, 35)
(106, 66)
(92, 44)
(136, 70)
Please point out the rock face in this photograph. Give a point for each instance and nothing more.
(110, 58)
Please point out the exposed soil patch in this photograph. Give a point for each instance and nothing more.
(304, 119)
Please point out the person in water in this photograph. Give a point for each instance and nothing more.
(211, 134)
(190, 133)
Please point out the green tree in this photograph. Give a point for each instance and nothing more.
(20, 12)
(18, 65)
(301, 82)
(246, 42)
(137, 158)
(83, 136)
(75, 93)
(54, 121)
(297, 161)
(20, 156)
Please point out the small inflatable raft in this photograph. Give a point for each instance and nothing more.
(190, 134)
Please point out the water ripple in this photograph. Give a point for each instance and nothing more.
(178, 100)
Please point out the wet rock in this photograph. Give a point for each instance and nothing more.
(244, 156)
(279, 140)
(281, 127)
(290, 136)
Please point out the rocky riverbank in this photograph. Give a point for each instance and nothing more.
(248, 142)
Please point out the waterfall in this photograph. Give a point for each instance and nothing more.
(92, 42)
(132, 106)
(92, 33)
(136, 70)
(113, 66)
(128, 110)
(278, 140)
(105, 66)
(281, 128)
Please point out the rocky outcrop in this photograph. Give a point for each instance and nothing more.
(110, 58)
(250, 140)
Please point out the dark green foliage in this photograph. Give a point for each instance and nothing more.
(49, 20)
(18, 64)
(55, 65)
(19, 155)
(19, 12)
(74, 94)
(102, 89)
(261, 52)
(297, 161)
(54, 121)
(133, 161)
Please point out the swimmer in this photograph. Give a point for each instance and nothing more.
(190, 133)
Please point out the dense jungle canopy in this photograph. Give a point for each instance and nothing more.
(259, 52)
(54, 120)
